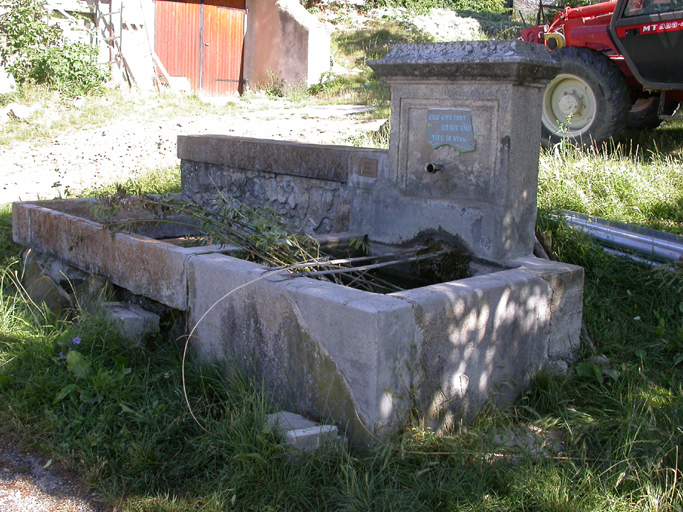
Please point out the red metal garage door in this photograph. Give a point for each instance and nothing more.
(202, 40)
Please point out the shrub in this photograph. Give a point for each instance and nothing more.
(36, 52)
(496, 6)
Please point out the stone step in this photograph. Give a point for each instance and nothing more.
(131, 320)
(304, 435)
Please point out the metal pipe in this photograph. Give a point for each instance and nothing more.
(649, 243)
(589, 10)
(632, 256)
(659, 249)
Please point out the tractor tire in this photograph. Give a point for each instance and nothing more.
(587, 102)
(644, 113)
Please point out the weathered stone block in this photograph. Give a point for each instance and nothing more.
(318, 346)
(486, 193)
(483, 338)
(44, 290)
(21, 223)
(566, 304)
(306, 204)
(143, 265)
(278, 157)
(304, 435)
(133, 322)
(306, 184)
(92, 292)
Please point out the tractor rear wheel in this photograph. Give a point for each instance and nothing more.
(588, 101)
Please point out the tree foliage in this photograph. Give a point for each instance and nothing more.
(36, 51)
(495, 6)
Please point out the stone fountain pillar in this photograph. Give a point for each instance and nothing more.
(464, 147)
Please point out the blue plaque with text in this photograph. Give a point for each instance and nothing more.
(450, 127)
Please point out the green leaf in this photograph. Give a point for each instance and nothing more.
(589, 370)
(611, 373)
(128, 410)
(121, 362)
(5, 380)
(584, 369)
(247, 456)
(89, 398)
(64, 392)
(78, 364)
(597, 374)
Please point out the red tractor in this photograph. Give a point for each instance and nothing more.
(621, 65)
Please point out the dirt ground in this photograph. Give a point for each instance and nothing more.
(31, 483)
(128, 148)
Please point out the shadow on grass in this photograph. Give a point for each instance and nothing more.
(9, 251)
(667, 215)
(666, 140)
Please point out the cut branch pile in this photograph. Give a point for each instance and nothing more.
(265, 239)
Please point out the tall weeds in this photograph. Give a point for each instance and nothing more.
(625, 181)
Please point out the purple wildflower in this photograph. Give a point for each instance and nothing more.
(61, 355)
(76, 341)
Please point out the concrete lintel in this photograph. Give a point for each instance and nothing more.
(302, 434)
(133, 322)
(312, 438)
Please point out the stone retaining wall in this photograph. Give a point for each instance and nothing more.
(306, 184)
(307, 204)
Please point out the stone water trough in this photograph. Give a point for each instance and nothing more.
(462, 165)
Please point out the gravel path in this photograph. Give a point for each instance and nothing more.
(30, 483)
(128, 148)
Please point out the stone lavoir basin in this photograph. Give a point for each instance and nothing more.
(459, 167)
